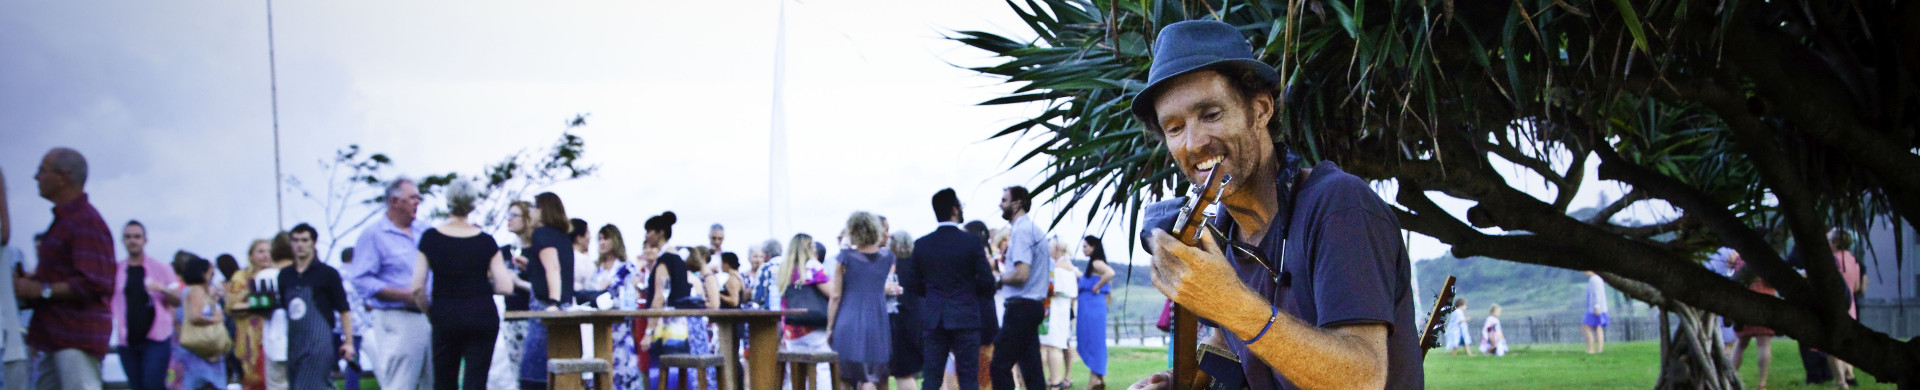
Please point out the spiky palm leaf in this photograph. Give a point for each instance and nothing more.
(1784, 114)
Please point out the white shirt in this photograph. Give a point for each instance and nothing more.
(13, 346)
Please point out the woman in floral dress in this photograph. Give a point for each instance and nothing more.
(248, 324)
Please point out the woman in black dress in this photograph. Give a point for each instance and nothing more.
(467, 270)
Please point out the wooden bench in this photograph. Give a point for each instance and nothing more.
(697, 364)
(575, 370)
(802, 364)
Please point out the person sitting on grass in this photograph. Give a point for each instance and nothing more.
(1493, 340)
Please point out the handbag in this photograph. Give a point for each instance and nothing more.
(806, 297)
(206, 341)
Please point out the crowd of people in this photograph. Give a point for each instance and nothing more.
(420, 296)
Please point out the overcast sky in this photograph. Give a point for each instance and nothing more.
(170, 103)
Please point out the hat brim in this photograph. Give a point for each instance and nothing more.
(1142, 106)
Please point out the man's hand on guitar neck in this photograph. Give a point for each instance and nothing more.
(1198, 278)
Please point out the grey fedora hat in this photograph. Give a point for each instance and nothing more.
(1195, 45)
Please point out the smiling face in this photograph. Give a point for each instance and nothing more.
(1208, 126)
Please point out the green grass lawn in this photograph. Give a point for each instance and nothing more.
(1633, 365)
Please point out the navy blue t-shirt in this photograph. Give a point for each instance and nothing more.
(1343, 263)
(329, 293)
(536, 272)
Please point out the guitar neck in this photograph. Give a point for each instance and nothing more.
(1186, 325)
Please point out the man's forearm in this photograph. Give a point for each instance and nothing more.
(1308, 356)
(1017, 277)
(395, 294)
(346, 327)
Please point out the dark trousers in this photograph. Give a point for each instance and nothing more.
(469, 342)
(146, 363)
(352, 376)
(964, 344)
(1019, 343)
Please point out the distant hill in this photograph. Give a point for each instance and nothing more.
(1521, 289)
(1132, 298)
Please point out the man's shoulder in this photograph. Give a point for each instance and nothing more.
(1328, 180)
(944, 236)
(1329, 189)
(1025, 226)
(83, 219)
(320, 268)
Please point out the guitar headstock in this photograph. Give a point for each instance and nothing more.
(1435, 325)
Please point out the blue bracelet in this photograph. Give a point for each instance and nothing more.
(1263, 330)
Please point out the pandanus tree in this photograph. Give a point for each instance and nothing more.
(1758, 123)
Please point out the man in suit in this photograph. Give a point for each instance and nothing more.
(950, 272)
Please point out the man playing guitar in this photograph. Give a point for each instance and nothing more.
(1303, 269)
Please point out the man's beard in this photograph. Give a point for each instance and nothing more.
(1006, 214)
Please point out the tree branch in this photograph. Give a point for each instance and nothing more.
(1819, 105)
(1606, 213)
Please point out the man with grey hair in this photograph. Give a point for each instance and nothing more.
(70, 288)
(715, 236)
(382, 273)
(760, 282)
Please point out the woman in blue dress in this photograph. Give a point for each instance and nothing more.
(857, 307)
(1091, 326)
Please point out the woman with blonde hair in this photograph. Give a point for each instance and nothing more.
(1056, 333)
(804, 269)
(857, 311)
(249, 322)
(510, 346)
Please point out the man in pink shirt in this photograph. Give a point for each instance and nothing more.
(145, 292)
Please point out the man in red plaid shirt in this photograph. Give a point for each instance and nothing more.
(70, 289)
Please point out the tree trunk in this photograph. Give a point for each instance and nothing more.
(1691, 356)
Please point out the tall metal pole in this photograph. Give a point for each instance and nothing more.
(273, 88)
(779, 202)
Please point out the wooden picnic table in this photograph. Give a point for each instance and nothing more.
(763, 330)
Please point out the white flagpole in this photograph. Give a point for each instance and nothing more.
(780, 203)
(273, 89)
